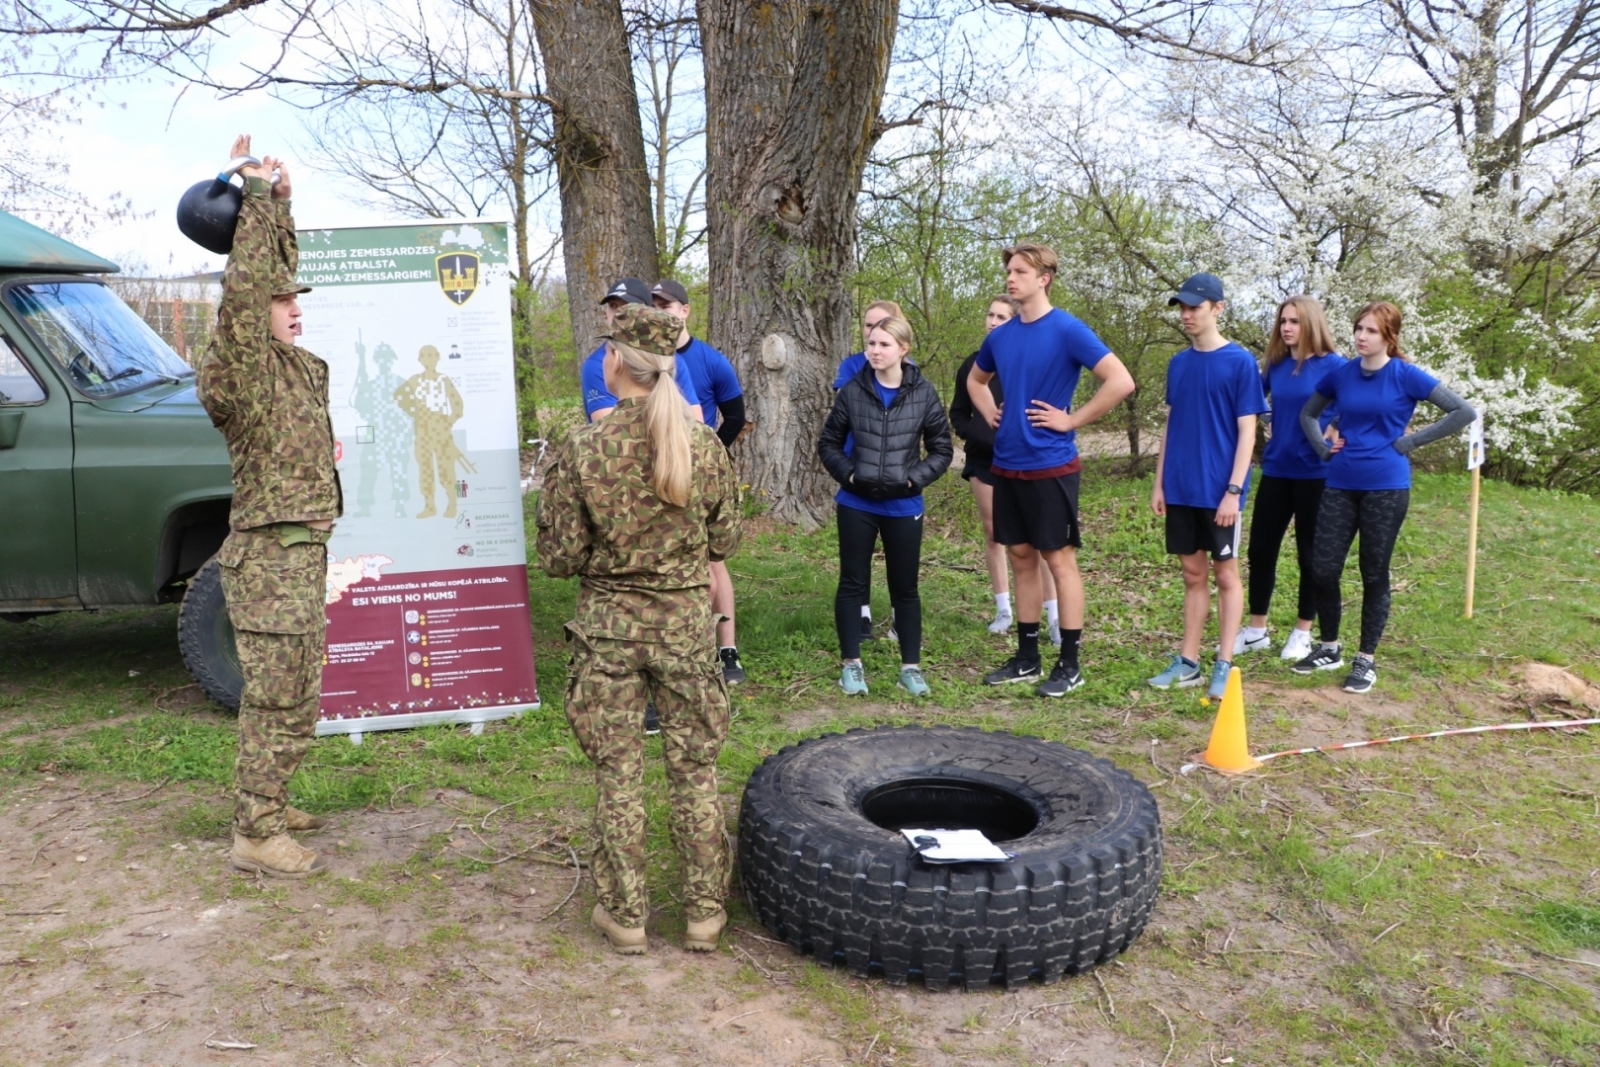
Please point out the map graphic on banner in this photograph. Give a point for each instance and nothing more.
(427, 599)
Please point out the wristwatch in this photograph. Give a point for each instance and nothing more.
(1236, 490)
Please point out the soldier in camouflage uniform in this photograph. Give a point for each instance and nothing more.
(644, 628)
(269, 398)
(433, 403)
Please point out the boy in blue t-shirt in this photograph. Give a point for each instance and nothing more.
(1039, 355)
(717, 384)
(597, 399)
(1202, 473)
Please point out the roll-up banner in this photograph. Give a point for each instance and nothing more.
(427, 570)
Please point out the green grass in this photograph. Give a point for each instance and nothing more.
(1364, 899)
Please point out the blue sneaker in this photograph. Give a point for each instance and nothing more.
(1180, 674)
(853, 680)
(1219, 679)
(911, 681)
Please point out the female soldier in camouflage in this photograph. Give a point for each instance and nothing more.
(634, 504)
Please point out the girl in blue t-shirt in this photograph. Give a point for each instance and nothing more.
(1299, 356)
(1369, 479)
(899, 444)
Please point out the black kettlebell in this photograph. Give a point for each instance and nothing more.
(209, 212)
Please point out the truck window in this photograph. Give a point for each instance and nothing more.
(17, 383)
(103, 346)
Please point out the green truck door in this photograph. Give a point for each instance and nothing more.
(38, 542)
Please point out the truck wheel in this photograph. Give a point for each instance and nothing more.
(825, 868)
(205, 637)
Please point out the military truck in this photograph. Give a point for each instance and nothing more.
(114, 485)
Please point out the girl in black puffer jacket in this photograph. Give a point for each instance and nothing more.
(873, 444)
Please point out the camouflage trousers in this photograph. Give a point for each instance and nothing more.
(610, 682)
(276, 594)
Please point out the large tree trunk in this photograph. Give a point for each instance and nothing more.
(606, 227)
(792, 96)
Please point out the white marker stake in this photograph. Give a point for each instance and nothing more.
(1474, 461)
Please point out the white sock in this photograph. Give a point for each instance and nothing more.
(1052, 614)
(1002, 603)
(1254, 633)
(866, 611)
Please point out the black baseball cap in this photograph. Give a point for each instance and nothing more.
(671, 290)
(629, 291)
(1197, 289)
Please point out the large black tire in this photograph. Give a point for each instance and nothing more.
(205, 637)
(825, 869)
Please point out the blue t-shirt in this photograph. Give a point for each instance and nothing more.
(1288, 454)
(1374, 411)
(592, 378)
(849, 367)
(1038, 360)
(901, 507)
(1207, 392)
(715, 380)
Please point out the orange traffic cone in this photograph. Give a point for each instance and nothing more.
(1229, 750)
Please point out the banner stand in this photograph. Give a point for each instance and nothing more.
(1474, 461)
(427, 588)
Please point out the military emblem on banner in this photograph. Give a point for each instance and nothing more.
(458, 275)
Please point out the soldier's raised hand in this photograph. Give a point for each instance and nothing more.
(280, 188)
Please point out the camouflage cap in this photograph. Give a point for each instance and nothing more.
(284, 284)
(646, 329)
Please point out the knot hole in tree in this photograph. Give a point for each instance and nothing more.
(775, 352)
(789, 205)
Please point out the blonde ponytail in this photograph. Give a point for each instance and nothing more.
(666, 417)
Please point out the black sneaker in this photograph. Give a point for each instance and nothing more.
(652, 721)
(1063, 680)
(1322, 658)
(1015, 669)
(1363, 675)
(732, 669)
(866, 629)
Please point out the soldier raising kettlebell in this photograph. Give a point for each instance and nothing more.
(269, 397)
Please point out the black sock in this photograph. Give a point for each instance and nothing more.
(1069, 647)
(1028, 641)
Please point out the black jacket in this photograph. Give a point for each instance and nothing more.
(887, 457)
(970, 426)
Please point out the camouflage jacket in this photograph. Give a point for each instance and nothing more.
(643, 563)
(269, 399)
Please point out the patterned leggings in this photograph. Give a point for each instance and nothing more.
(1376, 514)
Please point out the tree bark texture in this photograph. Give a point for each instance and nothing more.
(792, 95)
(607, 231)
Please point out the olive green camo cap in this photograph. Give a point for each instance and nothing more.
(646, 329)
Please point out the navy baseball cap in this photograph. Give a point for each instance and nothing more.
(1197, 289)
(672, 290)
(629, 291)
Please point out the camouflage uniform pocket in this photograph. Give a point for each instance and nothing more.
(273, 588)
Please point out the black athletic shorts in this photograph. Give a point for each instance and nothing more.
(979, 470)
(1041, 512)
(1191, 530)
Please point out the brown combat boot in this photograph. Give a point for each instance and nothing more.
(303, 821)
(627, 940)
(280, 856)
(702, 935)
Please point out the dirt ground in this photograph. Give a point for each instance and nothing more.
(127, 942)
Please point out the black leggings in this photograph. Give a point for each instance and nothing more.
(1376, 514)
(902, 555)
(1277, 501)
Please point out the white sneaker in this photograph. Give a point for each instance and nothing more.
(1243, 643)
(1002, 622)
(1298, 647)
